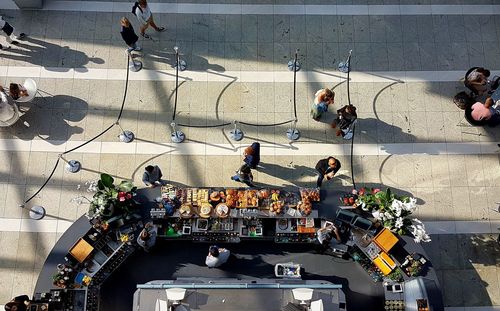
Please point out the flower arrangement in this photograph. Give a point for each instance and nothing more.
(392, 211)
(110, 199)
(64, 276)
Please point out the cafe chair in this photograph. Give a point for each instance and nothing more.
(32, 89)
(317, 305)
(304, 295)
(175, 295)
(13, 119)
(161, 305)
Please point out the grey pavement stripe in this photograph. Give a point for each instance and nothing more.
(229, 76)
(298, 149)
(432, 227)
(270, 9)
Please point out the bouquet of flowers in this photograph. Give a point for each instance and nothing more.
(392, 211)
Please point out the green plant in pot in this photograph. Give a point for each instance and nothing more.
(112, 200)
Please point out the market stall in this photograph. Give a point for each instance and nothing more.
(229, 215)
(117, 214)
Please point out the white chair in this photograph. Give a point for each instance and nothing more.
(317, 305)
(175, 295)
(161, 305)
(11, 120)
(31, 88)
(302, 294)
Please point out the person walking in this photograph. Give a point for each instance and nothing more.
(10, 34)
(322, 99)
(145, 17)
(326, 168)
(217, 256)
(251, 155)
(152, 176)
(129, 36)
(244, 175)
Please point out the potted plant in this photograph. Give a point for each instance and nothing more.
(396, 275)
(112, 200)
(392, 211)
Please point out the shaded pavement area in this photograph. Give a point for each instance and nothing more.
(249, 259)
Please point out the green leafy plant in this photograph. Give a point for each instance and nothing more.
(392, 211)
(110, 199)
(396, 275)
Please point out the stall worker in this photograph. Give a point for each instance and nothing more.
(326, 168)
(19, 303)
(152, 176)
(147, 237)
(217, 256)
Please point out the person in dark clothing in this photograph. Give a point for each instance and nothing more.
(326, 168)
(244, 175)
(252, 155)
(19, 303)
(129, 35)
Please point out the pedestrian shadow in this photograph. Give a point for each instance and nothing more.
(53, 125)
(298, 175)
(49, 55)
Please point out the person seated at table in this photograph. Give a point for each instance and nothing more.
(217, 256)
(152, 176)
(486, 112)
(147, 237)
(477, 81)
(19, 303)
(8, 111)
(17, 91)
(251, 155)
(244, 175)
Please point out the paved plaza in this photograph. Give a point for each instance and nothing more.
(408, 57)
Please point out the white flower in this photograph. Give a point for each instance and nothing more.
(377, 215)
(388, 216)
(92, 185)
(410, 206)
(363, 206)
(399, 222)
(418, 230)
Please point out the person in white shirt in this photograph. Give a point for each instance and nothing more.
(216, 256)
(10, 33)
(145, 17)
(9, 113)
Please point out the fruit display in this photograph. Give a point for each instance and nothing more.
(291, 199)
(275, 195)
(231, 197)
(312, 194)
(277, 207)
(348, 199)
(252, 198)
(222, 210)
(305, 207)
(264, 194)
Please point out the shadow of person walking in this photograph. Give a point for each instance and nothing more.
(49, 55)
